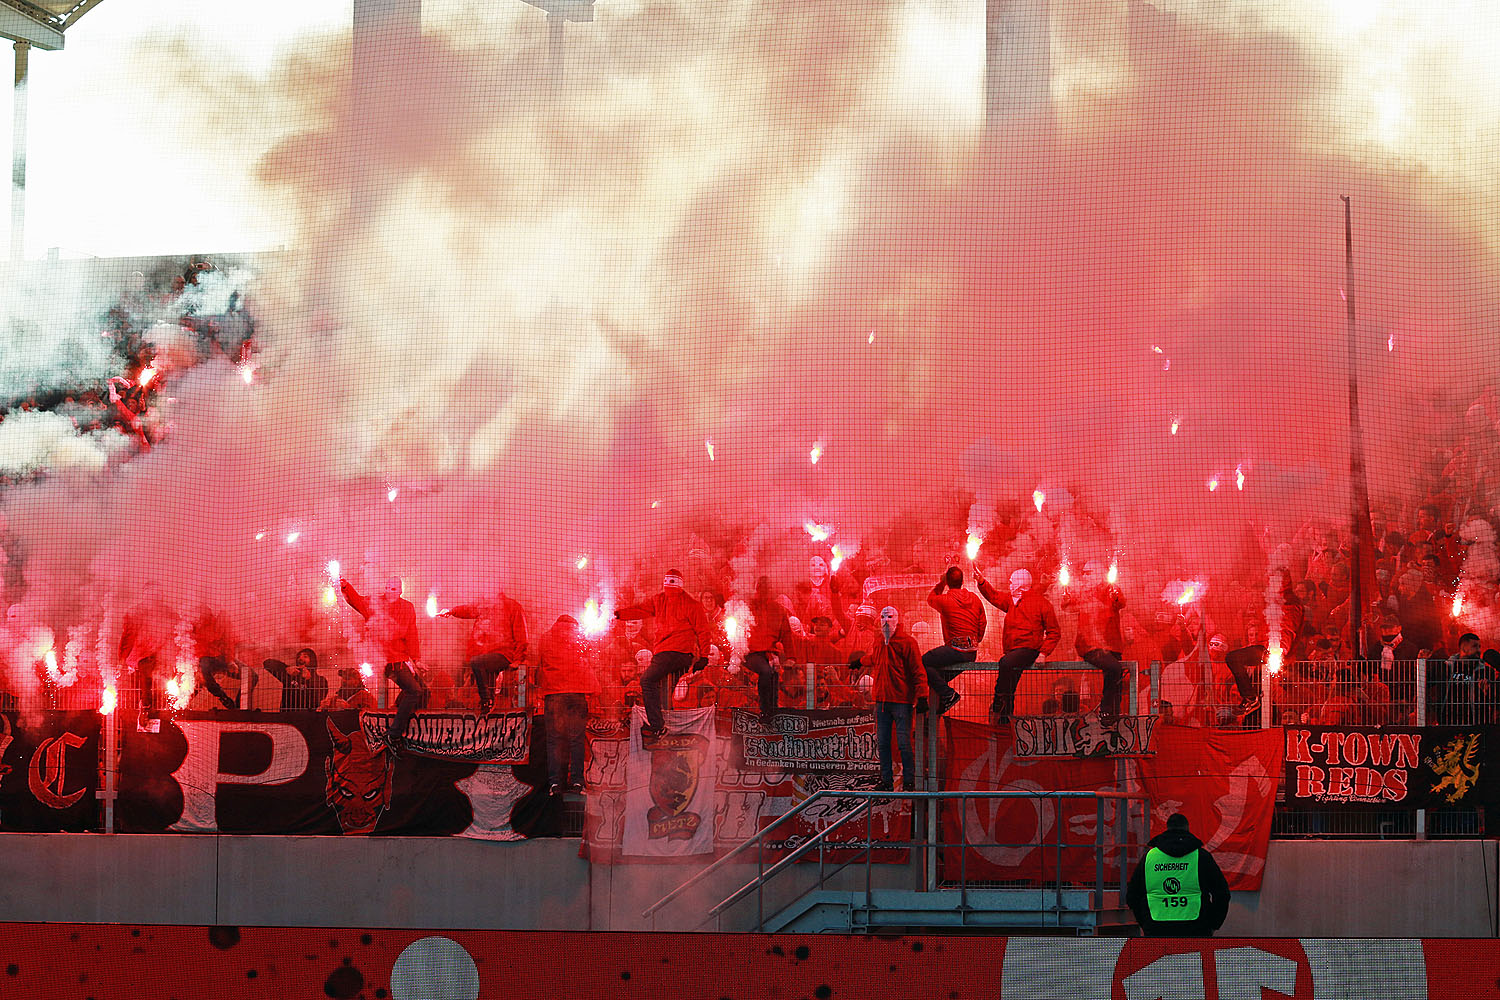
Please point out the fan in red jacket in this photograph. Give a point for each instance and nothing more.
(1031, 633)
(565, 674)
(497, 642)
(899, 681)
(769, 641)
(391, 621)
(962, 615)
(682, 636)
(1100, 640)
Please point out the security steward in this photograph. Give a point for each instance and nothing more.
(1177, 890)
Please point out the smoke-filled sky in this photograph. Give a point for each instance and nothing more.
(755, 229)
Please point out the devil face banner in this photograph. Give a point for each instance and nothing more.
(48, 771)
(1434, 767)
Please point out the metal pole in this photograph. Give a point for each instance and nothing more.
(555, 51)
(1359, 487)
(18, 154)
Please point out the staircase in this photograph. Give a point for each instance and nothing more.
(927, 903)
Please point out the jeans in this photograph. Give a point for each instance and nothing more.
(485, 668)
(1011, 666)
(1111, 664)
(567, 716)
(945, 656)
(895, 715)
(665, 666)
(412, 697)
(1240, 662)
(767, 682)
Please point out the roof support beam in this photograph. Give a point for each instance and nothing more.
(22, 27)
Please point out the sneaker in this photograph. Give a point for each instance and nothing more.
(575, 788)
(947, 701)
(651, 734)
(396, 744)
(555, 790)
(1249, 705)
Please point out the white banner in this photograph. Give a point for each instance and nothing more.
(669, 788)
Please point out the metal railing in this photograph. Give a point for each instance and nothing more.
(1113, 811)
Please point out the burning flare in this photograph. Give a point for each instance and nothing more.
(333, 569)
(1213, 483)
(292, 536)
(1458, 604)
(709, 444)
(107, 700)
(1113, 576)
(818, 532)
(816, 453)
(732, 628)
(971, 549)
(366, 671)
(1273, 660)
(432, 605)
(1175, 424)
(147, 374)
(595, 620)
(1038, 498)
(582, 563)
(392, 493)
(1239, 478)
(1064, 576)
(837, 560)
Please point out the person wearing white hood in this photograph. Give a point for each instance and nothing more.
(1031, 633)
(899, 682)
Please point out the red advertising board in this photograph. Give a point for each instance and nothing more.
(120, 962)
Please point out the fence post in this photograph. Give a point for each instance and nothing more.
(811, 673)
(1421, 670)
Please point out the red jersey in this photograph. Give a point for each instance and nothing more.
(499, 627)
(392, 623)
(563, 663)
(1030, 623)
(896, 669)
(962, 615)
(681, 623)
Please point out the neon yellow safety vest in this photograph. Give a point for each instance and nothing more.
(1172, 889)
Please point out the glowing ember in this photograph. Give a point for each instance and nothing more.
(595, 620)
(333, 569)
(292, 536)
(330, 597)
(107, 700)
(1155, 349)
(1113, 576)
(392, 493)
(1273, 660)
(709, 444)
(147, 374)
(816, 453)
(1213, 483)
(1038, 498)
(872, 338)
(655, 504)
(180, 687)
(1175, 424)
(260, 536)
(1458, 604)
(1189, 592)
(53, 673)
(582, 563)
(732, 628)
(818, 532)
(1064, 576)
(432, 606)
(1239, 478)
(1390, 342)
(365, 670)
(971, 548)
(247, 372)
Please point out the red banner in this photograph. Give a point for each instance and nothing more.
(1025, 839)
(121, 962)
(1224, 782)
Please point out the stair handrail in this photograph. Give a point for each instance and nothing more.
(734, 852)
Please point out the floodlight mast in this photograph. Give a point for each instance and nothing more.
(559, 12)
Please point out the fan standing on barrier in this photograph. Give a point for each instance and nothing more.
(769, 639)
(1100, 640)
(391, 621)
(682, 635)
(497, 642)
(1177, 889)
(963, 619)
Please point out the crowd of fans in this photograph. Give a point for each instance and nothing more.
(1429, 608)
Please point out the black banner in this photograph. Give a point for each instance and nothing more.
(1392, 767)
(304, 773)
(503, 738)
(49, 767)
(806, 741)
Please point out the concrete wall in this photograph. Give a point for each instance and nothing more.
(1311, 889)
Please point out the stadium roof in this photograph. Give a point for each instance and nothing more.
(41, 22)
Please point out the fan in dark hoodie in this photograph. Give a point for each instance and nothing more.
(1177, 889)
